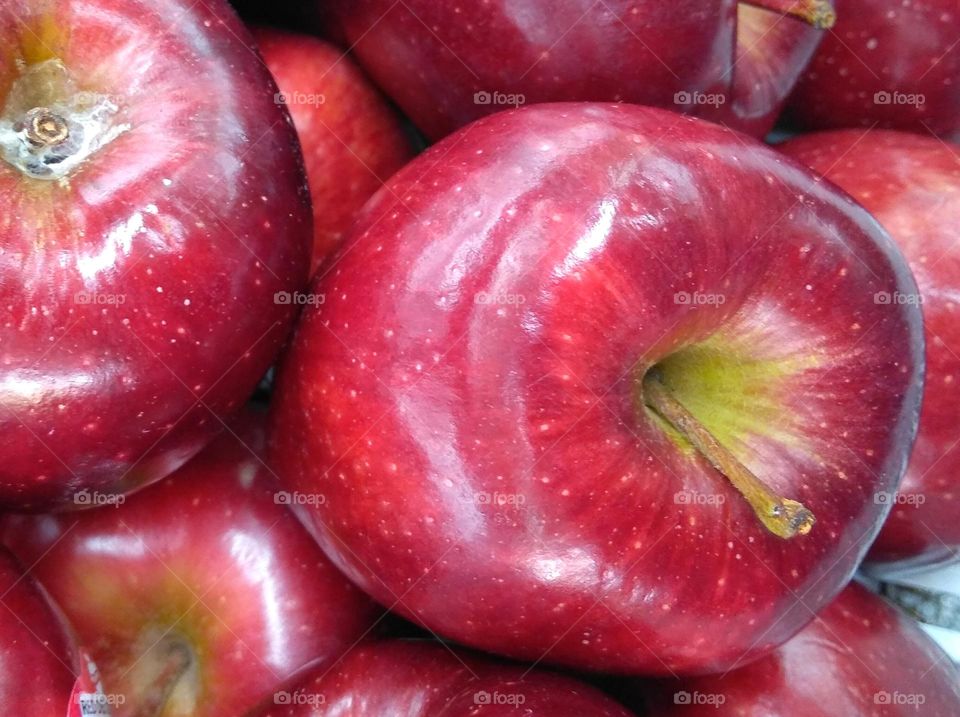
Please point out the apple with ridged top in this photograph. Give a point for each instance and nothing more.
(911, 184)
(199, 595)
(154, 203)
(860, 657)
(603, 385)
(420, 679)
(448, 63)
(352, 139)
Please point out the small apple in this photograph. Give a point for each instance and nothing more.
(448, 63)
(154, 205)
(911, 184)
(422, 679)
(352, 139)
(200, 594)
(859, 658)
(585, 377)
(887, 64)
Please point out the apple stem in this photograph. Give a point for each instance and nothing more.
(819, 13)
(154, 698)
(44, 128)
(783, 517)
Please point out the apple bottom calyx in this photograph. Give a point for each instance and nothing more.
(783, 517)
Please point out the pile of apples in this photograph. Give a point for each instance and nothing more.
(427, 358)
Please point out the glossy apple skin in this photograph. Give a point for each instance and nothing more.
(911, 184)
(907, 47)
(432, 57)
(205, 558)
(352, 141)
(841, 665)
(38, 664)
(424, 679)
(196, 216)
(408, 401)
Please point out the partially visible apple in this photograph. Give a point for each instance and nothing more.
(352, 140)
(584, 378)
(199, 595)
(153, 205)
(911, 184)
(887, 64)
(421, 679)
(447, 63)
(859, 658)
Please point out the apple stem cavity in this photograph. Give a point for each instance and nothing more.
(783, 517)
(818, 13)
(174, 664)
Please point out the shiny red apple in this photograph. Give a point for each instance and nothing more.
(886, 64)
(447, 63)
(420, 679)
(352, 139)
(539, 340)
(199, 595)
(860, 658)
(911, 184)
(154, 205)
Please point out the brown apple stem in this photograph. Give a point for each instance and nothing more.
(174, 664)
(819, 13)
(781, 516)
(44, 128)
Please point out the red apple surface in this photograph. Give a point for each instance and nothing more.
(199, 595)
(860, 657)
(911, 184)
(421, 679)
(537, 342)
(39, 665)
(886, 64)
(352, 139)
(154, 204)
(449, 63)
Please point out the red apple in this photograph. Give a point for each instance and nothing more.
(153, 205)
(886, 64)
(421, 679)
(859, 658)
(538, 339)
(911, 184)
(199, 595)
(448, 63)
(352, 139)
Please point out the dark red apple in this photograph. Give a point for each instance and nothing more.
(887, 64)
(420, 679)
(447, 63)
(352, 139)
(154, 204)
(859, 658)
(537, 342)
(911, 184)
(200, 595)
